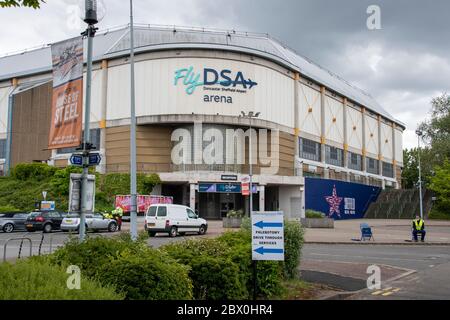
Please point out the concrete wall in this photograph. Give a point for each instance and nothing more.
(290, 199)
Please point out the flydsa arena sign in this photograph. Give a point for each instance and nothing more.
(216, 84)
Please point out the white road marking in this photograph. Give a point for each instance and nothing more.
(363, 257)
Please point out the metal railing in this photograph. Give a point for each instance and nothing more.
(5, 247)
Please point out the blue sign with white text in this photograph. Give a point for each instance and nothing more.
(338, 199)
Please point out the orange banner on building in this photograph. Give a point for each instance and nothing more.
(67, 102)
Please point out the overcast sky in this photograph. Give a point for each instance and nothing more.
(403, 65)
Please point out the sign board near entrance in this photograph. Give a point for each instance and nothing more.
(229, 177)
(268, 236)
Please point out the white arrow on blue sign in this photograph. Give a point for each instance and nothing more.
(76, 159)
(268, 236)
(94, 159)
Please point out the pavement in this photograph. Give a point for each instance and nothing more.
(384, 232)
(407, 272)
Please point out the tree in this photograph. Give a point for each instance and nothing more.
(440, 184)
(437, 129)
(36, 4)
(436, 136)
(410, 173)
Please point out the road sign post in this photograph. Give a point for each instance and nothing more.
(267, 240)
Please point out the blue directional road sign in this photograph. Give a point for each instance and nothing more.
(76, 159)
(94, 159)
(268, 236)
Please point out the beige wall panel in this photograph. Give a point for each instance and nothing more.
(334, 120)
(399, 146)
(96, 95)
(372, 135)
(354, 128)
(309, 110)
(386, 142)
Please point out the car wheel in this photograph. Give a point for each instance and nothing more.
(151, 234)
(173, 232)
(48, 228)
(8, 228)
(112, 227)
(202, 230)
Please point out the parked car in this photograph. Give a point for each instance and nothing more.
(10, 222)
(95, 222)
(174, 220)
(47, 221)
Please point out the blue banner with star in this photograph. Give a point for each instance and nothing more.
(339, 200)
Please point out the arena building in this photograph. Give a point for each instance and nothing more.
(325, 127)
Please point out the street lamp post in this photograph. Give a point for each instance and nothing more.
(250, 116)
(133, 175)
(91, 19)
(419, 136)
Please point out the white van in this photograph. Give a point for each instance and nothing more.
(173, 219)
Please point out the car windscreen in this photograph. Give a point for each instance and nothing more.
(151, 212)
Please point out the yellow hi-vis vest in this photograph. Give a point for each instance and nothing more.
(418, 224)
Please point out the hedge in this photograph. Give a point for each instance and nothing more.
(139, 272)
(214, 275)
(148, 275)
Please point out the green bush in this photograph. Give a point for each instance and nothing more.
(61, 179)
(235, 214)
(36, 280)
(36, 171)
(8, 208)
(148, 275)
(136, 270)
(93, 253)
(214, 274)
(311, 214)
(293, 243)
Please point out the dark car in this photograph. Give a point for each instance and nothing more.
(10, 222)
(46, 221)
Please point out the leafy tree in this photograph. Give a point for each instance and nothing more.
(36, 4)
(437, 129)
(410, 174)
(440, 184)
(436, 136)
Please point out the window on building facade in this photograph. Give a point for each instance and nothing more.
(372, 166)
(3, 149)
(334, 156)
(355, 161)
(309, 150)
(95, 140)
(388, 170)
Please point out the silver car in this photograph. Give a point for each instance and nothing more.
(94, 222)
(10, 222)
